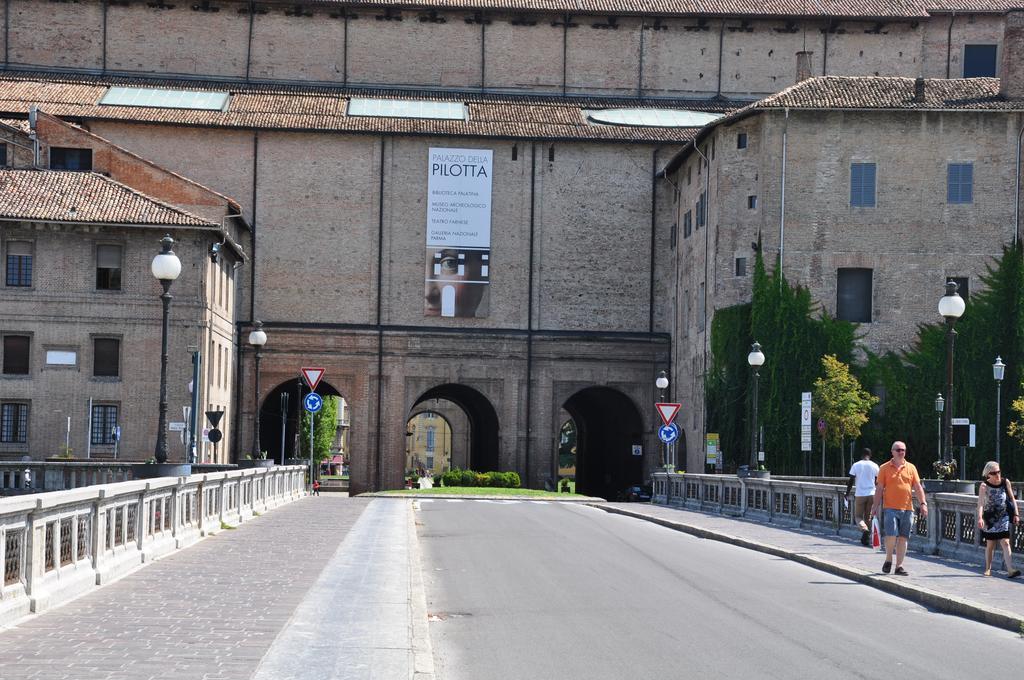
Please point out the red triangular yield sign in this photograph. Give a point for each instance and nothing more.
(667, 412)
(312, 376)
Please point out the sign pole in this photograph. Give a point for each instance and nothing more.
(312, 424)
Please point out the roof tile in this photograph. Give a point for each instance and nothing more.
(66, 196)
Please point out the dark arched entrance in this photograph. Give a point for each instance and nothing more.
(281, 414)
(608, 425)
(483, 423)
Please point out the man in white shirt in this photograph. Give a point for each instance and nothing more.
(863, 474)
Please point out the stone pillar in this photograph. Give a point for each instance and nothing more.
(1011, 74)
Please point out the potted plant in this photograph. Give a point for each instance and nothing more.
(760, 473)
(259, 461)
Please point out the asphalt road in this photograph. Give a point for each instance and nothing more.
(565, 592)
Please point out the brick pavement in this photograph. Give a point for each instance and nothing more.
(947, 585)
(209, 612)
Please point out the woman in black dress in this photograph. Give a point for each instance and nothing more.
(997, 512)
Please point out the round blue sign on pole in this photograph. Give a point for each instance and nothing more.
(312, 402)
(668, 433)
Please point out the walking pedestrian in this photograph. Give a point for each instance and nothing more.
(316, 487)
(863, 474)
(997, 512)
(897, 482)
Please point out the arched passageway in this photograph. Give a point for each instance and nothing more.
(279, 415)
(608, 427)
(482, 436)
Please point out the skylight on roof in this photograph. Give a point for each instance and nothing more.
(652, 117)
(165, 99)
(406, 108)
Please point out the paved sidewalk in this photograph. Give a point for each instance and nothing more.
(210, 611)
(945, 585)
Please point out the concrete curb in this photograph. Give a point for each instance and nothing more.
(947, 604)
(422, 650)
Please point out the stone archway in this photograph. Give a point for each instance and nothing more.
(482, 437)
(608, 426)
(281, 416)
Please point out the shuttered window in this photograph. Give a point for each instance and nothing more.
(960, 183)
(853, 301)
(862, 185)
(108, 267)
(106, 357)
(16, 354)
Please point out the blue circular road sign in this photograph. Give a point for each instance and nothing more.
(312, 402)
(668, 433)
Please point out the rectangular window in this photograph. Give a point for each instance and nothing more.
(62, 158)
(431, 439)
(108, 267)
(752, 202)
(862, 185)
(702, 318)
(688, 224)
(980, 61)
(19, 264)
(741, 140)
(106, 357)
(741, 266)
(673, 236)
(689, 174)
(702, 210)
(104, 420)
(16, 354)
(13, 423)
(960, 183)
(853, 301)
(3, 155)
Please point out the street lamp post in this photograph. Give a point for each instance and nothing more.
(951, 307)
(257, 338)
(165, 267)
(940, 404)
(756, 361)
(998, 370)
(661, 382)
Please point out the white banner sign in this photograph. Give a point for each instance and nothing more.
(805, 421)
(459, 198)
(458, 262)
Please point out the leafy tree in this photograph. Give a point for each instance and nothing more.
(325, 429)
(794, 332)
(993, 324)
(841, 401)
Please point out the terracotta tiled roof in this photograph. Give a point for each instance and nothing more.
(867, 93)
(866, 9)
(323, 108)
(874, 92)
(66, 196)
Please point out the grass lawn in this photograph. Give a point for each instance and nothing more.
(481, 491)
(333, 476)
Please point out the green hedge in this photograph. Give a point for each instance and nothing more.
(498, 480)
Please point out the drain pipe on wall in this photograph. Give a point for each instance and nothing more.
(782, 194)
(1016, 192)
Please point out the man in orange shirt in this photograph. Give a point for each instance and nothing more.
(897, 481)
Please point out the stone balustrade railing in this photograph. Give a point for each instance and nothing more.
(20, 477)
(950, 530)
(55, 546)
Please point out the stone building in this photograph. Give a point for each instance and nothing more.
(873, 192)
(322, 119)
(80, 220)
